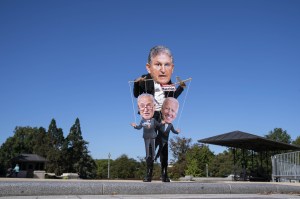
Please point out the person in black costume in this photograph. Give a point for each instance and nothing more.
(169, 113)
(158, 83)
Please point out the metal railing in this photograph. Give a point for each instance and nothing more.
(286, 166)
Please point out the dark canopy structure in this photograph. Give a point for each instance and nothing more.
(242, 140)
(29, 158)
(247, 141)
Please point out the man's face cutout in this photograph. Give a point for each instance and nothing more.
(169, 111)
(161, 68)
(146, 107)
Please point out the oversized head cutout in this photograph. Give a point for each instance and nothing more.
(146, 106)
(160, 64)
(169, 109)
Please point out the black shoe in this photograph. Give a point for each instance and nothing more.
(167, 179)
(147, 180)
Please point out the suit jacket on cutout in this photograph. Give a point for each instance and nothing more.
(148, 87)
(164, 134)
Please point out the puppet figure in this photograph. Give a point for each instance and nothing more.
(149, 124)
(169, 112)
(157, 82)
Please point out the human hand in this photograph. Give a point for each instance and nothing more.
(133, 124)
(140, 79)
(178, 130)
(163, 122)
(182, 84)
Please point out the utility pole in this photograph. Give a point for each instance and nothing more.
(207, 170)
(108, 166)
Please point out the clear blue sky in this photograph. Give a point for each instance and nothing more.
(65, 59)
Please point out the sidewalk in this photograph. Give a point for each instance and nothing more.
(162, 196)
(37, 187)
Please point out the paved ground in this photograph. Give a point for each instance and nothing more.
(164, 196)
(91, 189)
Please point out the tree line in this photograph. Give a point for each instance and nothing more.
(64, 154)
(70, 155)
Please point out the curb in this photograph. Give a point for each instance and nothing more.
(43, 188)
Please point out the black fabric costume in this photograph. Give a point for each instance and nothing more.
(147, 86)
(163, 135)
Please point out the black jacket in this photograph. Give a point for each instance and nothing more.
(148, 87)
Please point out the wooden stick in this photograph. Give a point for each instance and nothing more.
(173, 83)
(183, 80)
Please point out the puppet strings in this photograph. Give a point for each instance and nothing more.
(179, 117)
(131, 94)
(188, 87)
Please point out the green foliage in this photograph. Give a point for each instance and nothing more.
(70, 155)
(279, 135)
(55, 136)
(124, 168)
(222, 164)
(189, 159)
(197, 157)
(25, 140)
(296, 141)
(77, 155)
(102, 168)
(193, 168)
(179, 147)
(55, 140)
(7, 152)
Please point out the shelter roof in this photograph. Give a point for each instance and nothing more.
(242, 140)
(29, 158)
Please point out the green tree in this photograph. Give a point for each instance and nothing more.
(7, 152)
(63, 155)
(77, 155)
(222, 164)
(279, 135)
(24, 140)
(193, 168)
(179, 147)
(296, 141)
(55, 135)
(39, 143)
(197, 158)
(55, 141)
(124, 167)
(102, 168)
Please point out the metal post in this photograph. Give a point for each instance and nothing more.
(108, 166)
(207, 170)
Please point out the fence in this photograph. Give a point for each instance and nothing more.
(286, 166)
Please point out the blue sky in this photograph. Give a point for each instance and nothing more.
(70, 58)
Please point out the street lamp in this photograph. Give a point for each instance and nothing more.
(108, 165)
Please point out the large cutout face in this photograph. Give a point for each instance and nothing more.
(146, 107)
(161, 68)
(169, 110)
